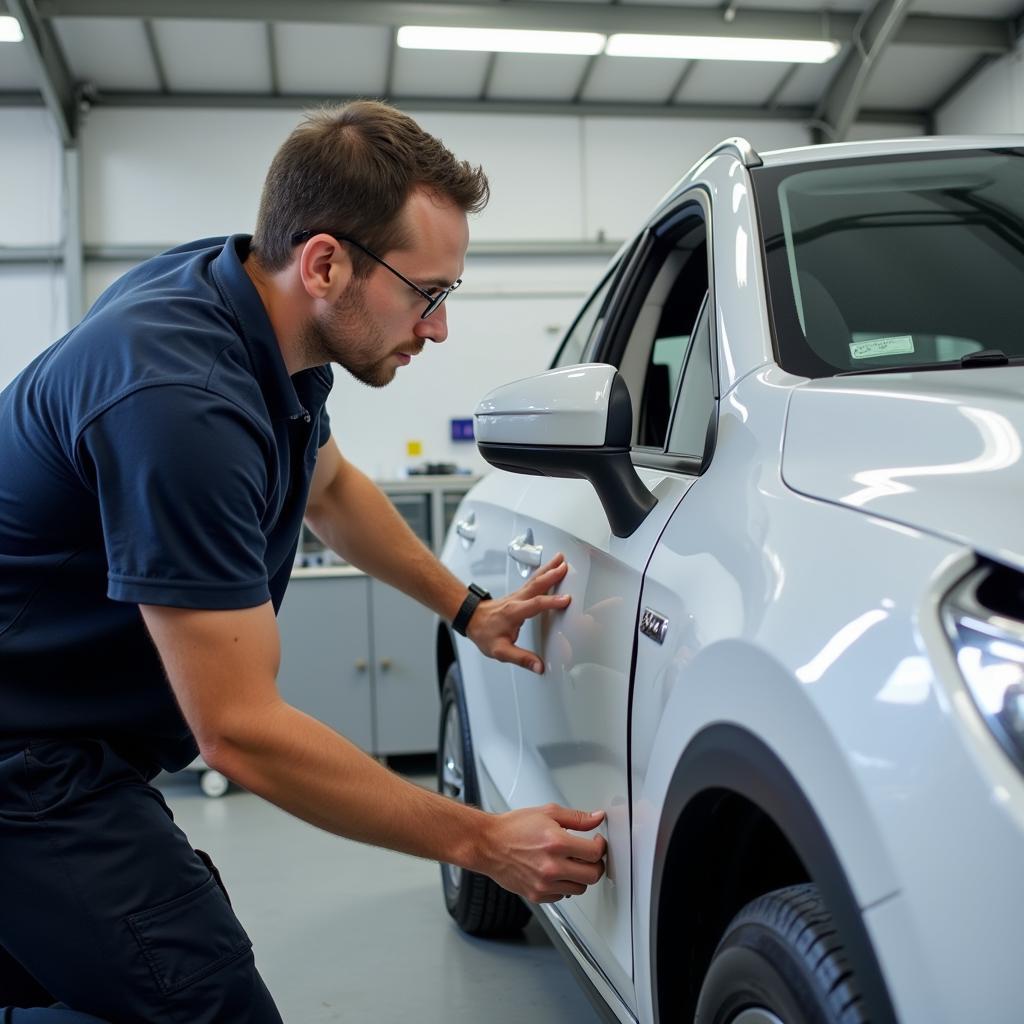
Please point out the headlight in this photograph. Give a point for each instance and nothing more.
(984, 616)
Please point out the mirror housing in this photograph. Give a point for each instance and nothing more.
(576, 421)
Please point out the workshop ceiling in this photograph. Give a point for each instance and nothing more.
(242, 52)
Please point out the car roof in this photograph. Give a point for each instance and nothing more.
(888, 147)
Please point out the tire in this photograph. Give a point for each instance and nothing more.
(781, 961)
(478, 905)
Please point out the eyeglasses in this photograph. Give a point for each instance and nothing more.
(434, 298)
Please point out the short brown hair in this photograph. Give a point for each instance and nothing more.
(348, 170)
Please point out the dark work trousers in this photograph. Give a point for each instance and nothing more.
(105, 908)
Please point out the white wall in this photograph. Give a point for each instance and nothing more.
(32, 307)
(159, 177)
(992, 103)
(165, 175)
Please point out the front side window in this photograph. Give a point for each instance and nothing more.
(654, 335)
(696, 404)
(894, 262)
(587, 325)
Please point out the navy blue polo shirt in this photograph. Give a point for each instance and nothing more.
(159, 453)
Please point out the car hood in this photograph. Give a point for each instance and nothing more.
(937, 450)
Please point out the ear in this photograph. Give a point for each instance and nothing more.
(325, 268)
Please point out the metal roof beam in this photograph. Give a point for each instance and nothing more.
(154, 55)
(234, 101)
(962, 82)
(987, 34)
(272, 61)
(51, 68)
(780, 87)
(837, 109)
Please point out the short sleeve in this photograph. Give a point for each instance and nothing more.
(325, 428)
(181, 476)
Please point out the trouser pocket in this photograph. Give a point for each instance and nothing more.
(189, 938)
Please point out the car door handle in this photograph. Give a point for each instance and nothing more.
(466, 528)
(525, 552)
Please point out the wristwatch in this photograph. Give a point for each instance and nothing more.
(465, 613)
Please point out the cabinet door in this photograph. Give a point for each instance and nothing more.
(325, 653)
(407, 701)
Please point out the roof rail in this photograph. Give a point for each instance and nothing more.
(749, 156)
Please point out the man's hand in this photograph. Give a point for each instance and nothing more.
(495, 625)
(530, 853)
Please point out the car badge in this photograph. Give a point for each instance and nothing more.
(653, 625)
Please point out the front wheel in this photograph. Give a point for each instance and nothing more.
(781, 961)
(478, 904)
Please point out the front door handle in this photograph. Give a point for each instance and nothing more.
(466, 528)
(524, 552)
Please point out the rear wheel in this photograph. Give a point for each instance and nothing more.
(479, 905)
(781, 961)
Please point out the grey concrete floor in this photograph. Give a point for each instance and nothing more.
(345, 932)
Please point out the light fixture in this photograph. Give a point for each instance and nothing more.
(10, 30)
(498, 40)
(789, 51)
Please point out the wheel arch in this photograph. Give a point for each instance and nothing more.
(731, 798)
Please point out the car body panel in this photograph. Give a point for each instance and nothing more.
(488, 511)
(940, 450)
(575, 715)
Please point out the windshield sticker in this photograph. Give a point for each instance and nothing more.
(899, 346)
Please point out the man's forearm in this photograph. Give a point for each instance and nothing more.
(356, 519)
(309, 770)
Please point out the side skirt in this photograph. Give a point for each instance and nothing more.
(599, 990)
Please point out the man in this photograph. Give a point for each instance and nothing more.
(155, 467)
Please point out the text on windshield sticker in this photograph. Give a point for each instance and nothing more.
(900, 345)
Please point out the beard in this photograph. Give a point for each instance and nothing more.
(347, 335)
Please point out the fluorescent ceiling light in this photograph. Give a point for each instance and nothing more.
(10, 30)
(790, 51)
(498, 40)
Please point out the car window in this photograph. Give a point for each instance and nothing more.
(895, 261)
(696, 403)
(587, 324)
(673, 286)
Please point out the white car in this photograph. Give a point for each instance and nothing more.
(781, 451)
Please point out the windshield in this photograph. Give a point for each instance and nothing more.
(901, 261)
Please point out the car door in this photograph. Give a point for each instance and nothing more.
(575, 718)
(476, 549)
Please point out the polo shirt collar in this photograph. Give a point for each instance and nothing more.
(257, 332)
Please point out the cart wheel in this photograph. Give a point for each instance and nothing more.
(213, 784)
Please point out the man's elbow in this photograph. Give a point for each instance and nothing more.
(228, 741)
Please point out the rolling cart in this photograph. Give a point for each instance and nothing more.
(211, 782)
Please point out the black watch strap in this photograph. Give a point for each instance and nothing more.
(461, 621)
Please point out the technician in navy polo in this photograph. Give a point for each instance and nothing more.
(156, 464)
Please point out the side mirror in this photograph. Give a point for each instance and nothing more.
(576, 421)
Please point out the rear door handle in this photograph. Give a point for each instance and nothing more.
(527, 554)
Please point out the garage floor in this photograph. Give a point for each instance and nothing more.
(343, 932)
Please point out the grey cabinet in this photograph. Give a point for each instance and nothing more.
(325, 653)
(405, 675)
(358, 655)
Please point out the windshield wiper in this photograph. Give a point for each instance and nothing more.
(986, 357)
